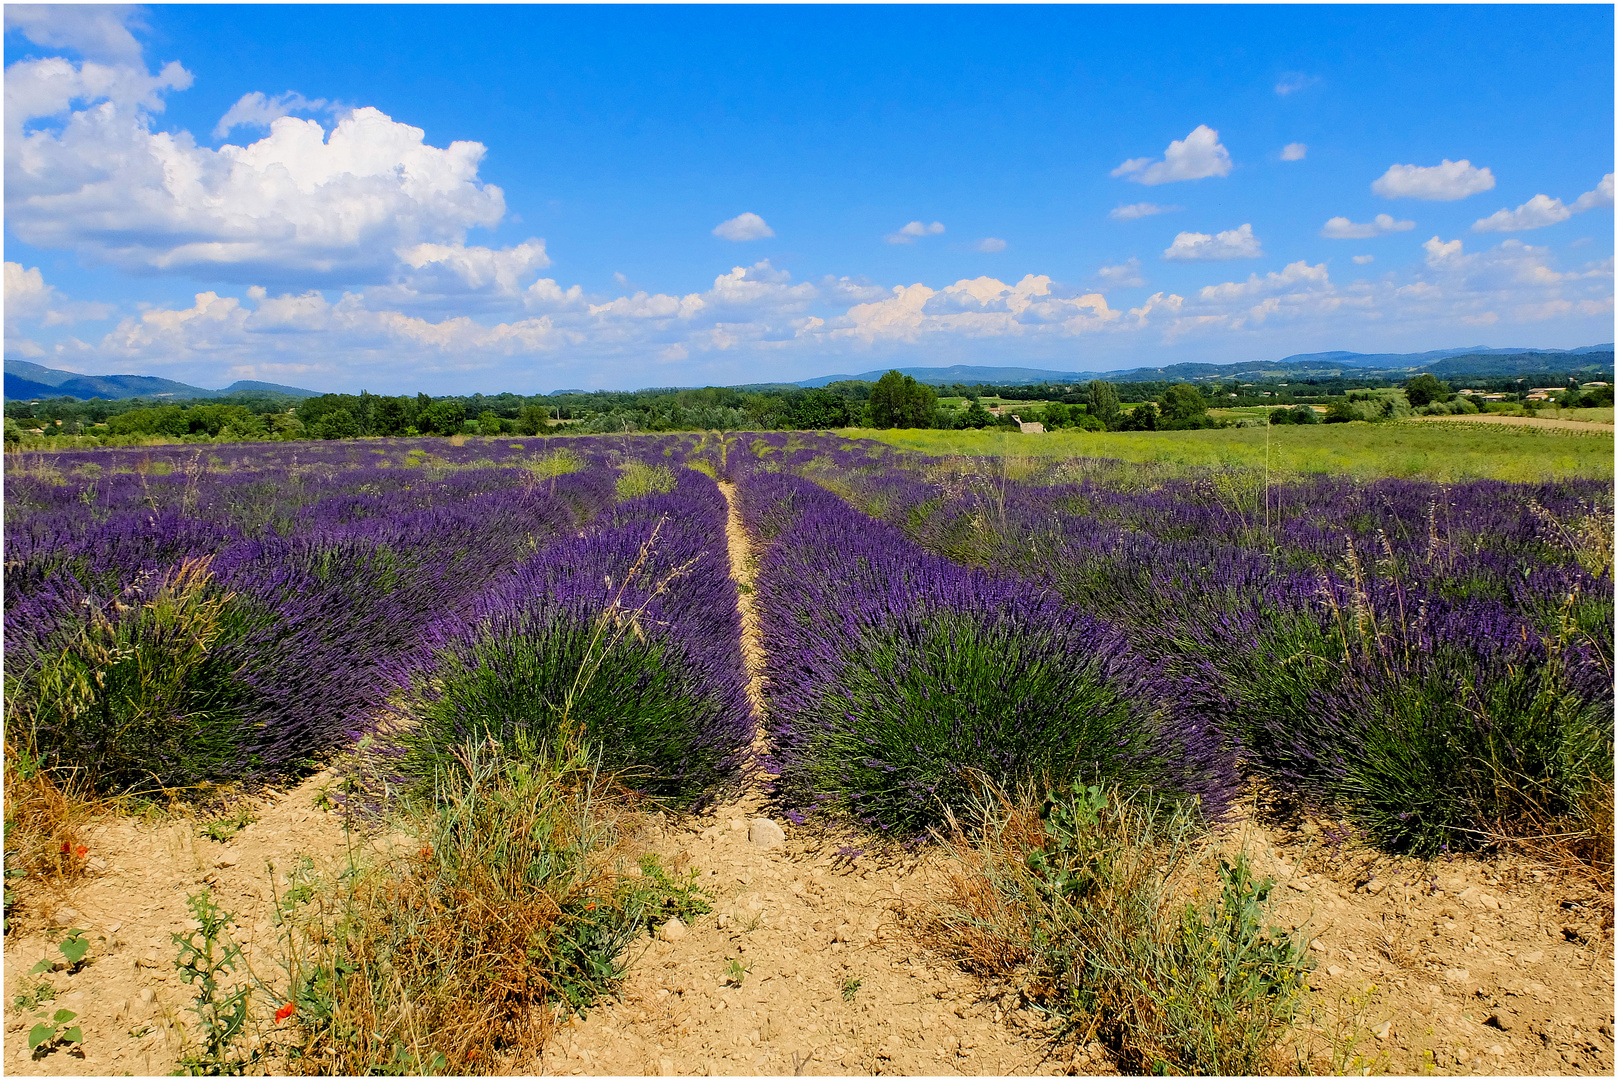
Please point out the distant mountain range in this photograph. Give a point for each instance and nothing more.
(25, 381)
(1478, 360)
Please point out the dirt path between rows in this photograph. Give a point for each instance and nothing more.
(811, 963)
(1585, 427)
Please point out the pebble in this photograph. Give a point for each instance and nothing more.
(673, 930)
(766, 834)
(1375, 887)
(148, 995)
(1383, 1030)
(1457, 975)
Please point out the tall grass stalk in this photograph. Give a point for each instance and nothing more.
(1110, 913)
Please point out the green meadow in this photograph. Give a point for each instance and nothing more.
(1446, 452)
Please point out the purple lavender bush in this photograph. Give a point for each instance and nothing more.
(624, 639)
(900, 682)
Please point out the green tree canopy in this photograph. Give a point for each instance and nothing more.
(1103, 401)
(1426, 389)
(900, 401)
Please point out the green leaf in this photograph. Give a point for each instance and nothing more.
(40, 1033)
(73, 1035)
(63, 1016)
(74, 949)
(43, 965)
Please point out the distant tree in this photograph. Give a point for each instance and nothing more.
(392, 416)
(1142, 417)
(975, 416)
(533, 420)
(1057, 415)
(446, 417)
(1303, 414)
(488, 423)
(1340, 411)
(1103, 401)
(900, 401)
(1182, 402)
(819, 410)
(1426, 389)
(337, 423)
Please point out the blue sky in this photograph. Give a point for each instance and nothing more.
(460, 198)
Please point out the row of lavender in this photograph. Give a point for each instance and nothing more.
(903, 686)
(174, 620)
(1435, 661)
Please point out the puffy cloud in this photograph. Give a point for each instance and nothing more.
(848, 290)
(1361, 260)
(1542, 210)
(30, 299)
(748, 226)
(1133, 211)
(96, 32)
(477, 268)
(1600, 195)
(1340, 228)
(1444, 182)
(1293, 81)
(1294, 151)
(1440, 253)
(300, 202)
(1197, 156)
(990, 245)
(1291, 276)
(973, 307)
(256, 110)
(1238, 243)
(1124, 275)
(914, 231)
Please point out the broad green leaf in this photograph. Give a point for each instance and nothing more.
(40, 1033)
(63, 1016)
(73, 1035)
(74, 949)
(43, 965)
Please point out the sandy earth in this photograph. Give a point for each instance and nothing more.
(810, 963)
(1585, 426)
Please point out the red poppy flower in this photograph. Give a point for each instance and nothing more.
(81, 851)
(285, 1011)
(65, 847)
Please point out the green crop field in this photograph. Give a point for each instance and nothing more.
(1446, 452)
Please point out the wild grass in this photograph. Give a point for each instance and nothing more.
(462, 955)
(1445, 452)
(47, 818)
(137, 696)
(1109, 913)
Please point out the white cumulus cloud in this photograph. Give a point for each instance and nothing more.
(1238, 243)
(1135, 211)
(1340, 228)
(914, 231)
(1361, 260)
(1445, 182)
(1124, 275)
(94, 31)
(1197, 156)
(990, 245)
(1294, 151)
(748, 226)
(257, 110)
(1542, 210)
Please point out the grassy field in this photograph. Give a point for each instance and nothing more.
(1433, 451)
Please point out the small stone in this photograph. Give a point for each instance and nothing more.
(673, 930)
(1383, 1030)
(1534, 957)
(1375, 886)
(766, 834)
(65, 916)
(843, 933)
(1501, 1020)
(1457, 975)
(148, 995)
(1489, 902)
(665, 1067)
(1299, 884)
(737, 824)
(1463, 1055)
(1317, 946)
(1334, 971)
(1497, 1050)
(226, 859)
(1605, 1029)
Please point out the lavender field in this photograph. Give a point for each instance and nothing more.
(1434, 661)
